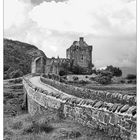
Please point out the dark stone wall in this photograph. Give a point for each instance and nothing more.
(81, 54)
(38, 65)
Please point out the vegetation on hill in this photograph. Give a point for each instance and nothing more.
(18, 57)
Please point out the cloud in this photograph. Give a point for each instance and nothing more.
(87, 16)
(14, 13)
(108, 25)
(37, 2)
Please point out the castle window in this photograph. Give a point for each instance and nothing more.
(82, 57)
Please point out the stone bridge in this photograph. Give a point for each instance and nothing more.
(115, 118)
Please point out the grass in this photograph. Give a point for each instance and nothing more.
(115, 87)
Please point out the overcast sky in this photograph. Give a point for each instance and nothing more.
(53, 25)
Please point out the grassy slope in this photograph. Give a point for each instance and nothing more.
(121, 88)
(19, 125)
(18, 55)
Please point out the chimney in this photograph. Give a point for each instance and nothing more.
(81, 39)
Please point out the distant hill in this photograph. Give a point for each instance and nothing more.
(18, 57)
(128, 70)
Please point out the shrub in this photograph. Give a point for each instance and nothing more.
(94, 71)
(114, 70)
(16, 74)
(92, 78)
(131, 76)
(6, 76)
(62, 72)
(106, 73)
(75, 78)
(122, 81)
(77, 70)
(6, 67)
(129, 81)
(103, 79)
(83, 82)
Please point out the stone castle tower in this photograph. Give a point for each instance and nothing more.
(81, 54)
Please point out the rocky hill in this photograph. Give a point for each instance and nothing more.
(18, 57)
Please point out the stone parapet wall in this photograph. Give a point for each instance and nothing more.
(91, 94)
(115, 119)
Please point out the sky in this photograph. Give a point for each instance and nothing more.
(52, 25)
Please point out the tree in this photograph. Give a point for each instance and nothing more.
(62, 72)
(131, 76)
(6, 67)
(16, 74)
(116, 71)
(103, 80)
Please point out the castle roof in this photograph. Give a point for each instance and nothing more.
(81, 43)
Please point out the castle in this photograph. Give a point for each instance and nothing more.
(78, 54)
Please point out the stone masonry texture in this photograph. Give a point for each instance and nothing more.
(118, 120)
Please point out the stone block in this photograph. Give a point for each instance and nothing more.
(106, 118)
(114, 107)
(98, 104)
(128, 125)
(95, 114)
(134, 127)
(108, 95)
(131, 110)
(37, 96)
(119, 108)
(110, 130)
(124, 108)
(101, 116)
(114, 119)
(88, 111)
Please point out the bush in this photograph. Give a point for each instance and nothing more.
(129, 81)
(106, 73)
(6, 67)
(16, 74)
(83, 82)
(92, 78)
(103, 80)
(114, 70)
(6, 76)
(131, 76)
(75, 78)
(122, 81)
(77, 70)
(62, 72)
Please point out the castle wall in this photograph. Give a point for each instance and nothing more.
(81, 53)
(38, 65)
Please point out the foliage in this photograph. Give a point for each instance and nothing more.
(114, 70)
(103, 80)
(77, 70)
(83, 82)
(92, 78)
(18, 55)
(106, 73)
(75, 78)
(6, 67)
(94, 71)
(16, 74)
(62, 72)
(131, 76)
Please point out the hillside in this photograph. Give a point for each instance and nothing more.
(18, 57)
